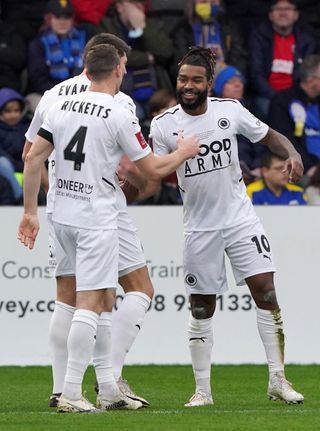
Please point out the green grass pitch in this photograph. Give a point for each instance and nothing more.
(240, 398)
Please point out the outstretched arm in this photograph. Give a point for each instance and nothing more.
(156, 168)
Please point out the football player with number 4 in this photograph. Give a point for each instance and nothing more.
(86, 129)
(133, 273)
(219, 217)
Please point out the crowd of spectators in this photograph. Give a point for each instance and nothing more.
(268, 58)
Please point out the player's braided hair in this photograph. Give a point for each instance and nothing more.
(198, 56)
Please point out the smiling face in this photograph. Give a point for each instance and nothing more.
(192, 89)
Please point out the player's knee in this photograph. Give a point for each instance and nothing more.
(200, 312)
(267, 297)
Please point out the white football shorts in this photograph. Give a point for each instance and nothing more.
(131, 255)
(59, 262)
(93, 254)
(246, 246)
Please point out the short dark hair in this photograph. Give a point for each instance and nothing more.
(198, 56)
(96, 63)
(268, 157)
(310, 67)
(109, 39)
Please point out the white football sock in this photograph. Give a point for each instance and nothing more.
(59, 328)
(102, 359)
(270, 328)
(127, 321)
(81, 342)
(200, 344)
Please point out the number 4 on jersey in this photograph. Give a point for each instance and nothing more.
(74, 150)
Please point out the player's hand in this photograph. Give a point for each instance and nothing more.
(28, 230)
(294, 167)
(190, 146)
(135, 15)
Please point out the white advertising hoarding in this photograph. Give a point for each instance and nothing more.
(27, 292)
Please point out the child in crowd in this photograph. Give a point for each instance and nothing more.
(13, 126)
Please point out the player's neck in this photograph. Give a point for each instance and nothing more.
(202, 109)
(107, 87)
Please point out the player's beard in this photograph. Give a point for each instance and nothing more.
(191, 106)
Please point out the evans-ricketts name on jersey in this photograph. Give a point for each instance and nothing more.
(211, 157)
(85, 108)
(69, 90)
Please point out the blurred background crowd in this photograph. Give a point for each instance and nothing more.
(268, 58)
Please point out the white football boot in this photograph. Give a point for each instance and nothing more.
(199, 399)
(75, 406)
(120, 402)
(280, 389)
(124, 387)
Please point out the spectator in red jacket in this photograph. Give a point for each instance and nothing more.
(277, 48)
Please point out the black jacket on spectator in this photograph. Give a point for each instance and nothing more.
(247, 13)
(13, 55)
(280, 120)
(309, 11)
(27, 15)
(12, 141)
(261, 56)
(153, 40)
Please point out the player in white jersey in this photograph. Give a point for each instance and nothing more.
(219, 217)
(90, 132)
(133, 273)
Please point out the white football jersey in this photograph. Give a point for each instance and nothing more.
(90, 132)
(213, 192)
(61, 91)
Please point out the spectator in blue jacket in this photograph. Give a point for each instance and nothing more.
(274, 187)
(277, 48)
(12, 129)
(56, 54)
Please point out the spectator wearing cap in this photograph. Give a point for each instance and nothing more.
(13, 127)
(229, 83)
(277, 48)
(56, 54)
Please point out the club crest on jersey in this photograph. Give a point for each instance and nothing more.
(191, 280)
(224, 123)
(141, 140)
